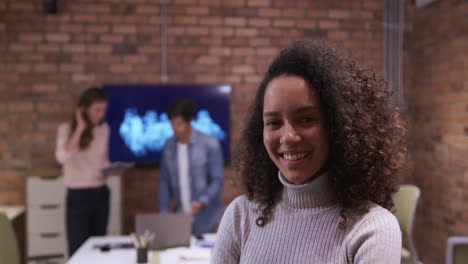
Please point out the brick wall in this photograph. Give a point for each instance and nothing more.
(439, 103)
(48, 59)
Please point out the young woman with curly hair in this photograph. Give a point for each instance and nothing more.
(319, 155)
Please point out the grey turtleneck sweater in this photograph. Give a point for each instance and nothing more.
(304, 229)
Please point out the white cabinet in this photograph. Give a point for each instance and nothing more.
(46, 233)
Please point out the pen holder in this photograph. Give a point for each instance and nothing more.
(142, 255)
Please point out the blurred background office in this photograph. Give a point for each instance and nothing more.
(48, 56)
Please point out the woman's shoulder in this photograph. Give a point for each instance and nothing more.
(103, 128)
(240, 206)
(376, 218)
(240, 202)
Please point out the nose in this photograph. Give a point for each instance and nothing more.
(289, 135)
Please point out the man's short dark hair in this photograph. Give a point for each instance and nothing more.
(184, 108)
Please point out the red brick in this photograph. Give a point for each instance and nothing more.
(58, 37)
(71, 68)
(267, 51)
(211, 21)
(111, 38)
(259, 22)
(211, 40)
(80, 77)
(243, 52)
(23, 67)
(97, 28)
(242, 69)
(283, 23)
(259, 3)
(234, 21)
(31, 37)
(362, 14)
(238, 3)
(90, 8)
(111, 19)
(339, 14)
(22, 106)
(377, 5)
(45, 67)
(294, 13)
(185, 20)
(74, 48)
(198, 10)
(21, 47)
(148, 10)
(338, 35)
(71, 28)
(85, 18)
(208, 60)
(181, 2)
(327, 24)
(22, 6)
(222, 31)
(269, 12)
(221, 51)
(45, 88)
(102, 49)
(197, 31)
(246, 32)
(48, 48)
(121, 68)
(124, 29)
(255, 42)
(253, 79)
(210, 2)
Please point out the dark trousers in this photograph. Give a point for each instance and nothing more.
(87, 215)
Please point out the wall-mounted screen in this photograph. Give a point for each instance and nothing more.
(140, 126)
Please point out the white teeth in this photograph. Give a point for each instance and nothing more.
(293, 157)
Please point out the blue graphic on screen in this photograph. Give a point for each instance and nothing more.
(143, 134)
(139, 125)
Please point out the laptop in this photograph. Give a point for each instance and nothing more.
(171, 230)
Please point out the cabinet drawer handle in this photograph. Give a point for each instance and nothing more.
(49, 235)
(49, 206)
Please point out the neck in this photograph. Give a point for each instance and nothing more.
(314, 194)
(186, 138)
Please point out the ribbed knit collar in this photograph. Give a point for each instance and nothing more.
(317, 193)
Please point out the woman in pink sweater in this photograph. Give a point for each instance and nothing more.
(82, 149)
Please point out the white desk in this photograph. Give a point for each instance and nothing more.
(86, 254)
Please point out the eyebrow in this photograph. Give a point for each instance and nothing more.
(297, 111)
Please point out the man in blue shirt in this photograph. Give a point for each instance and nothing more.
(191, 170)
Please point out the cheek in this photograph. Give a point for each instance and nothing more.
(269, 141)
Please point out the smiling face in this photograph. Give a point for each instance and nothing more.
(294, 129)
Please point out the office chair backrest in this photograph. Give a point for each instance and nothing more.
(9, 252)
(457, 250)
(406, 200)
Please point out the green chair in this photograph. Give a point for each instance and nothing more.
(406, 200)
(9, 252)
(457, 250)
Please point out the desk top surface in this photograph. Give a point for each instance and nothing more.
(88, 254)
(11, 211)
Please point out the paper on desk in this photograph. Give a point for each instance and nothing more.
(191, 254)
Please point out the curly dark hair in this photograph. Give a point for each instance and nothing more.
(365, 133)
(88, 97)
